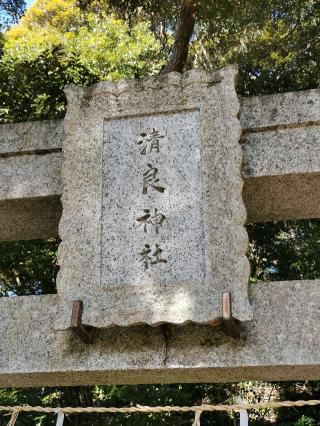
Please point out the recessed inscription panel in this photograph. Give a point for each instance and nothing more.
(152, 218)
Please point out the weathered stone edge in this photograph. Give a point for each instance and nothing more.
(117, 88)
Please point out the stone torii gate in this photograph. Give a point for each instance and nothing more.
(281, 172)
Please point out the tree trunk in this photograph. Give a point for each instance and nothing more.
(183, 33)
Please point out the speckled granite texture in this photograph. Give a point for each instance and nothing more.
(281, 159)
(189, 179)
(282, 343)
(280, 140)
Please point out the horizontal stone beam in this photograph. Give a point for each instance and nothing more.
(30, 218)
(281, 168)
(30, 183)
(281, 146)
(282, 343)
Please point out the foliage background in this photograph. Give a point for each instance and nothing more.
(277, 46)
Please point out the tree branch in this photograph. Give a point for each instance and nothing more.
(183, 33)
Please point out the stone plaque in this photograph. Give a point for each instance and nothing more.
(153, 218)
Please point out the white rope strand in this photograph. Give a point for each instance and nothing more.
(197, 419)
(60, 418)
(14, 416)
(244, 418)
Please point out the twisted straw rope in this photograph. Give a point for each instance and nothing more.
(165, 409)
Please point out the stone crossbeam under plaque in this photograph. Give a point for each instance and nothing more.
(153, 219)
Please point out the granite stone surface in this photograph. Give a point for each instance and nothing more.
(281, 159)
(280, 140)
(30, 176)
(30, 179)
(33, 136)
(275, 198)
(281, 343)
(282, 181)
(162, 153)
(29, 218)
(281, 109)
(152, 233)
(286, 151)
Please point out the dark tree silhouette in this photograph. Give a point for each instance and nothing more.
(183, 34)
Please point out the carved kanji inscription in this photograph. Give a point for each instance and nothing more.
(152, 224)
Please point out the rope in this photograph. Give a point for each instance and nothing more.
(197, 419)
(14, 416)
(165, 409)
